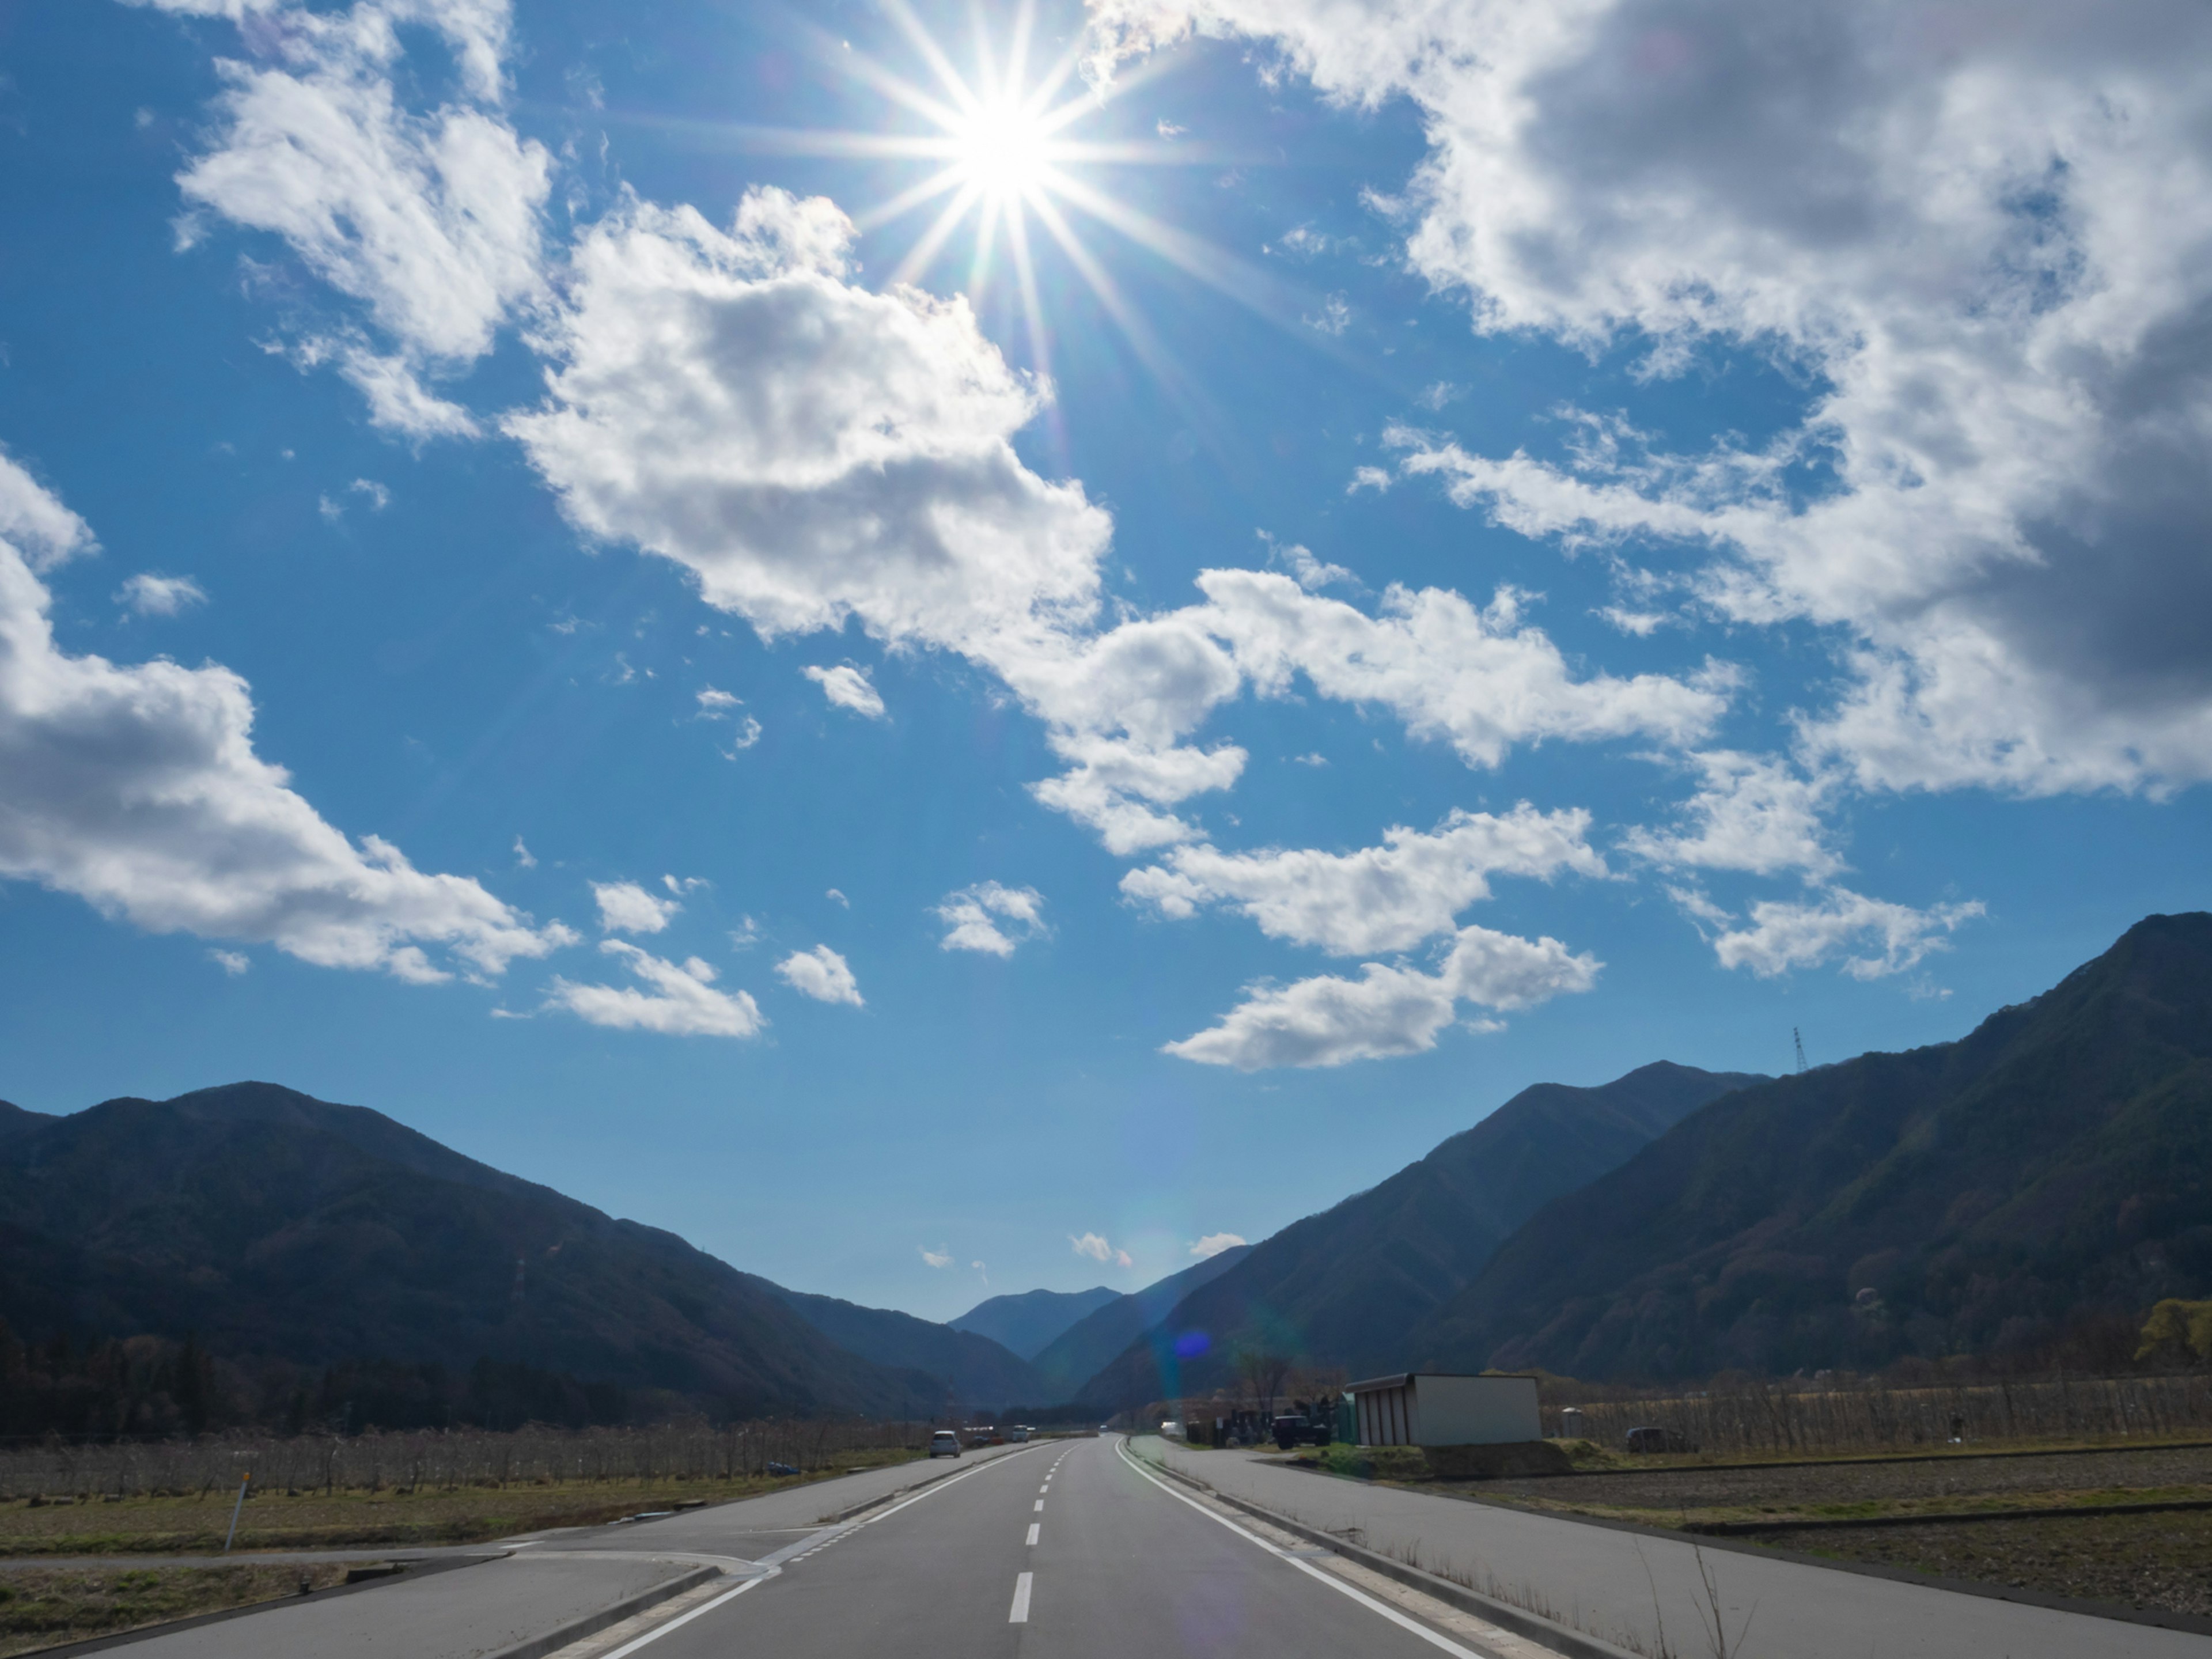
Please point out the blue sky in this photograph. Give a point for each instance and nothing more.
(525, 606)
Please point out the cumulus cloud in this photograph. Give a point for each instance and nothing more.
(811, 449)
(990, 918)
(1891, 938)
(1753, 813)
(137, 788)
(1981, 238)
(1389, 1010)
(814, 453)
(232, 962)
(148, 595)
(627, 907)
(429, 219)
(848, 687)
(1095, 1247)
(935, 1258)
(679, 1000)
(1388, 898)
(1214, 1244)
(821, 974)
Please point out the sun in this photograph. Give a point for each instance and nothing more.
(1001, 157)
(1002, 148)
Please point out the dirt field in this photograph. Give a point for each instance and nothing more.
(2161, 1560)
(314, 1520)
(2141, 1561)
(46, 1607)
(1844, 1490)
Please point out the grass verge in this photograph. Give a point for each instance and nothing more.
(46, 1606)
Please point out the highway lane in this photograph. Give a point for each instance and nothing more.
(1622, 1586)
(1064, 1551)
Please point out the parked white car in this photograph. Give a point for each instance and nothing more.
(945, 1444)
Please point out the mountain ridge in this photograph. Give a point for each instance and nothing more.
(273, 1224)
(2053, 1165)
(1343, 1287)
(1026, 1322)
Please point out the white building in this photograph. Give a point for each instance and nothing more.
(1416, 1410)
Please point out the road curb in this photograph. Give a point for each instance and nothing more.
(1537, 1628)
(592, 1623)
(841, 1515)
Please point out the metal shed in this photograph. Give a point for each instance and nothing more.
(1417, 1409)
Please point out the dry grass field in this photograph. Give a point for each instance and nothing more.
(192, 1522)
(47, 1607)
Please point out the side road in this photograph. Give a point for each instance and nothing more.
(1650, 1593)
(543, 1582)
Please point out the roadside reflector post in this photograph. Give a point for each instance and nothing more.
(243, 1484)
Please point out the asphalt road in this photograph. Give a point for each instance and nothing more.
(1076, 1550)
(1061, 1548)
(1621, 1586)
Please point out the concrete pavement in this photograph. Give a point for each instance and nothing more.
(1622, 1587)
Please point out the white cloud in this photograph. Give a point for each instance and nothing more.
(1753, 813)
(1214, 1244)
(814, 453)
(1389, 1011)
(379, 496)
(848, 687)
(1095, 1247)
(821, 974)
(137, 789)
(1335, 316)
(715, 705)
(1388, 898)
(1895, 938)
(627, 907)
(935, 1258)
(1483, 680)
(1990, 256)
(398, 399)
(523, 859)
(232, 962)
(837, 898)
(990, 918)
(149, 595)
(1309, 572)
(429, 219)
(747, 734)
(681, 1002)
(812, 450)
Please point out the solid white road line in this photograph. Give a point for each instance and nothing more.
(1017, 1614)
(656, 1633)
(1034, 1526)
(1307, 1568)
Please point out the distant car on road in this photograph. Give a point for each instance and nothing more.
(945, 1444)
(1020, 1432)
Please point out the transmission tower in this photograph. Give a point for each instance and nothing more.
(1797, 1038)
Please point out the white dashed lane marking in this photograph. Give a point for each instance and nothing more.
(1034, 1526)
(1020, 1613)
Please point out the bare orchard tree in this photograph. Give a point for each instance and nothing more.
(1263, 1371)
